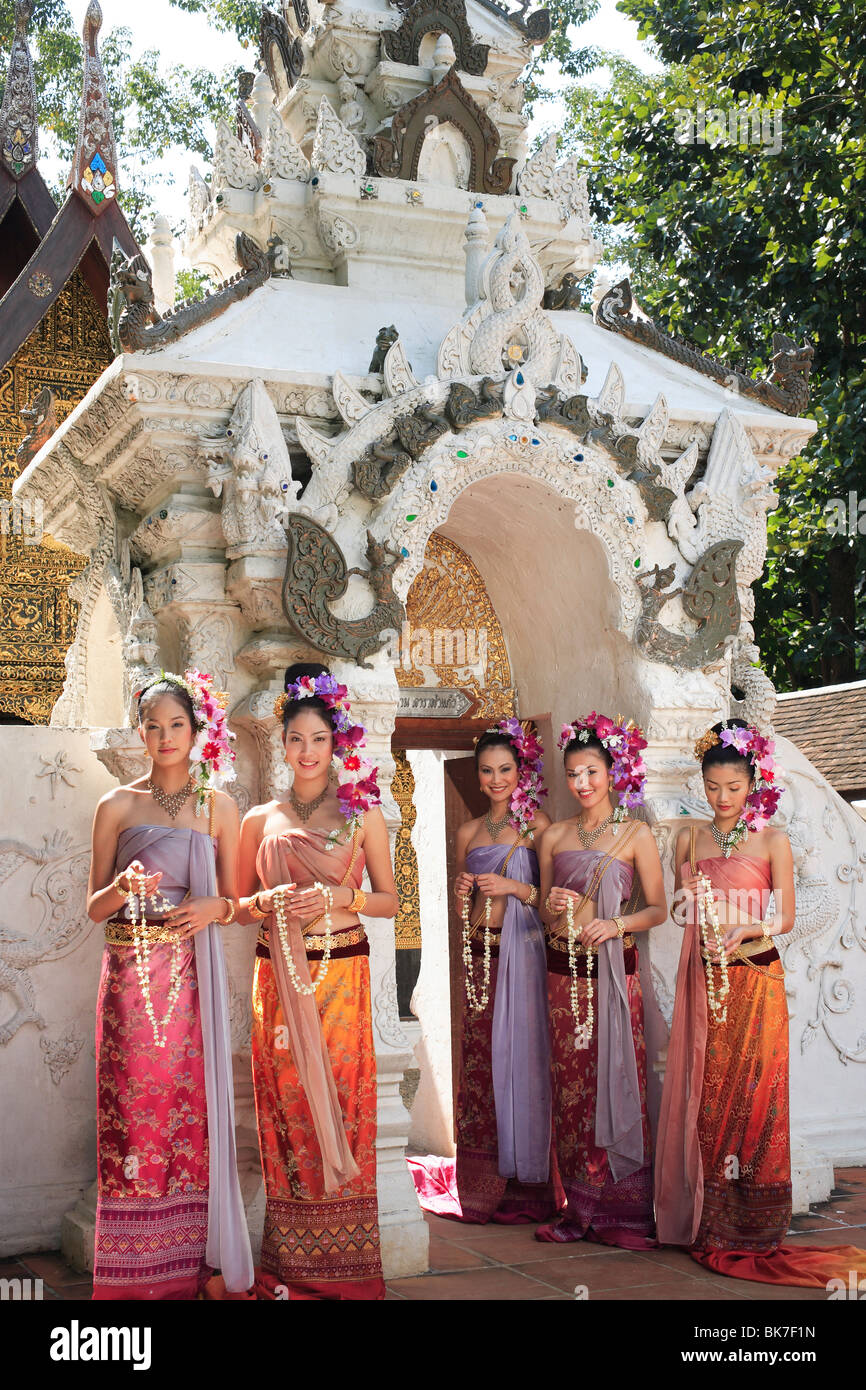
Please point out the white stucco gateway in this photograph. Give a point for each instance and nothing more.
(252, 487)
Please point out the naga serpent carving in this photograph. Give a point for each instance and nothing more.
(511, 316)
(132, 308)
(709, 597)
(317, 575)
(787, 390)
(41, 417)
(466, 407)
(380, 469)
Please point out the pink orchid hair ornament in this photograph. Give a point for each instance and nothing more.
(211, 756)
(358, 786)
(527, 796)
(759, 752)
(624, 743)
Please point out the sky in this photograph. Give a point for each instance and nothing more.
(187, 38)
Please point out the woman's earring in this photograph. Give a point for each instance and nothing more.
(332, 773)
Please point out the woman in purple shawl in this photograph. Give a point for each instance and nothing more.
(592, 866)
(503, 1102)
(169, 1209)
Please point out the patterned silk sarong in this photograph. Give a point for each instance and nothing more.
(723, 1177)
(597, 1208)
(152, 1135)
(316, 1244)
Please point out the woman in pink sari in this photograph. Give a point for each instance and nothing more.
(593, 866)
(723, 1166)
(169, 1209)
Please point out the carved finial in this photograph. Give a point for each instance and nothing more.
(477, 239)
(18, 123)
(444, 56)
(94, 163)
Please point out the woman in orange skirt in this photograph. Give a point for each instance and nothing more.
(302, 861)
(723, 1165)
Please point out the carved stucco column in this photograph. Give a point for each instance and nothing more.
(405, 1238)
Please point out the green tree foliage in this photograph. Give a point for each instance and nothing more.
(731, 240)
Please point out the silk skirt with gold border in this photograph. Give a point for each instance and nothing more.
(317, 1245)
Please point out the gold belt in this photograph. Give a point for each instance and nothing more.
(120, 933)
(560, 943)
(349, 936)
(757, 946)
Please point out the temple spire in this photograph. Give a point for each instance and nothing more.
(94, 163)
(18, 127)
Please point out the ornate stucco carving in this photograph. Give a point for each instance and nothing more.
(132, 305)
(507, 326)
(397, 155)
(58, 886)
(19, 126)
(335, 149)
(566, 182)
(709, 597)
(787, 390)
(317, 576)
(282, 157)
(250, 469)
(436, 17)
(730, 501)
(233, 165)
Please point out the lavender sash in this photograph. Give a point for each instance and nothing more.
(186, 858)
(521, 1040)
(618, 1127)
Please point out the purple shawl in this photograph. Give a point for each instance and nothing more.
(187, 861)
(618, 1127)
(521, 1040)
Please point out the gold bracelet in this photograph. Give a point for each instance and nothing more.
(254, 910)
(230, 915)
(766, 933)
(533, 896)
(547, 906)
(619, 923)
(359, 901)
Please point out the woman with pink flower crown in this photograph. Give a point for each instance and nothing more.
(723, 1165)
(593, 867)
(302, 861)
(502, 1168)
(163, 875)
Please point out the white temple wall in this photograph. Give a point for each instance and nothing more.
(50, 957)
(431, 1128)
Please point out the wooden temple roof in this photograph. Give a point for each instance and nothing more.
(41, 246)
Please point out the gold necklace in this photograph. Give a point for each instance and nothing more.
(304, 809)
(170, 803)
(588, 837)
(495, 827)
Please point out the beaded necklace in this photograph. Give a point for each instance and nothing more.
(136, 900)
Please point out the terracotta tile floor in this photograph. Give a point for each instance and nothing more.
(506, 1263)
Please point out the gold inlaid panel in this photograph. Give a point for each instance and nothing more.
(407, 924)
(452, 636)
(67, 351)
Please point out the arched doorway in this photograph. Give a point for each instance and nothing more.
(540, 582)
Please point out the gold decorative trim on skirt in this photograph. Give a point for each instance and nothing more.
(560, 943)
(350, 936)
(119, 933)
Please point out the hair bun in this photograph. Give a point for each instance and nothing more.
(303, 668)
